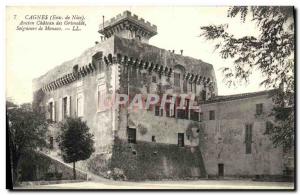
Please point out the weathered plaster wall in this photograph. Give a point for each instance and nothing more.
(224, 139)
(146, 52)
(164, 128)
(220, 140)
(146, 160)
(66, 67)
(100, 123)
(164, 158)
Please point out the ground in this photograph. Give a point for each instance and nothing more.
(200, 184)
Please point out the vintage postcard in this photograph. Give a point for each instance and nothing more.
(150, 98)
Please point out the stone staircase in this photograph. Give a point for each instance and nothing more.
(58, 167)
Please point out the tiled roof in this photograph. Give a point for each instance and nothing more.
(238, 96)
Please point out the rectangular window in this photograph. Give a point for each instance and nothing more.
(181, 139)
(153, 138)
(194, 115)
(51, 142)
(201, 117)
(182, 113)
(191, 87)
(154, 79)
(51, 110)
(177, 79)
(64, 107)
(79, 104)
(211, 115)
(131, 133)
(195, 88)
(203, 95)
(157, 109)
(259, 109)
(248, 138)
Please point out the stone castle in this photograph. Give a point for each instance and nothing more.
(227, 138)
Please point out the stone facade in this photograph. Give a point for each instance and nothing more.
(225, 138)
(168, 143)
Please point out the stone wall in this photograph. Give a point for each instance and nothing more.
(146, 160)
(224, 139)
(45, 168)
(101, 121)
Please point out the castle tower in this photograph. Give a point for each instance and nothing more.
(128, 26)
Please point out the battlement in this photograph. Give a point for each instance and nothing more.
(128, 21)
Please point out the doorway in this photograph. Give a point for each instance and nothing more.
(221, 170)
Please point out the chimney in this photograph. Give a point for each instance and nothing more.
(103, 22)
(96, 42)
(173, 51)
(181, 51)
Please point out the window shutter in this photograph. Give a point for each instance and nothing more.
(70, 106)
(246, 134)
(60, 110)
(248, 138)
(54, 110)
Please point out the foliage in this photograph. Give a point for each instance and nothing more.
(37, 98)
(271, 53)
(26, 132)
(75, 141)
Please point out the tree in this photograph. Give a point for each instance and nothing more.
(271, 53)
(75, 141)
(26, 133)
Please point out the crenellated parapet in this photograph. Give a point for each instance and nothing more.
(126, 61)
(125, 22)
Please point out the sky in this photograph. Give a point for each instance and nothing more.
(30, 54)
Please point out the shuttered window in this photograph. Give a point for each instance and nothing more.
(259, 109)
(52, 111)
(211, 115)
(248, 138)
(177, 79)
(64, 107)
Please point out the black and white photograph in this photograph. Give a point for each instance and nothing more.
(150, 97)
